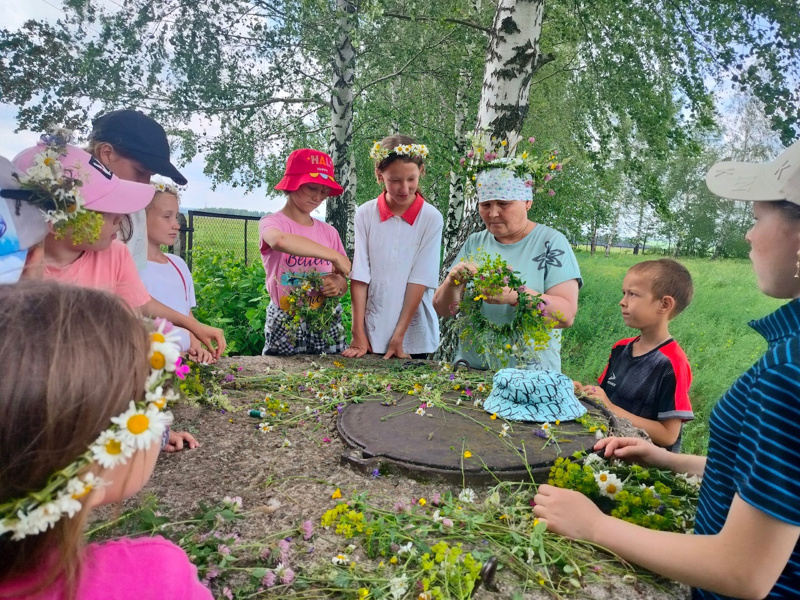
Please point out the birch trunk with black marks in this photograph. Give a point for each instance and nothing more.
(340, 209)
(512, 57)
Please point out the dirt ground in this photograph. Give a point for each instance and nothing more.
(284, 486)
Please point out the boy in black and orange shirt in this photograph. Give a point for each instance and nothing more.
(647, 377)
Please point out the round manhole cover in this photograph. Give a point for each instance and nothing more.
(457, 442)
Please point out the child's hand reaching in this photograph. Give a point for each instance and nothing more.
(334, 285)
(359, 346)
(198, 353)
(567, 512)
(179, 439)
(342, 264)
(395, 349)
(593, 391)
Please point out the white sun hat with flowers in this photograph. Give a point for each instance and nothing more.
(144, 423)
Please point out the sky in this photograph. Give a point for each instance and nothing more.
(198, 193)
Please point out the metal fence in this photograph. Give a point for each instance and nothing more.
(219, 232)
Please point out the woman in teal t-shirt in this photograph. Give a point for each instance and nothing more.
(539, 253)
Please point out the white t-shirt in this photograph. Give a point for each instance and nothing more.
(138, 242)
(389, 255)
(171, 283)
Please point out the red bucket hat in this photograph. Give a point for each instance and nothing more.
(308, 166)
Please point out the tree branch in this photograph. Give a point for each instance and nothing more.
(471, 24)
(401, 69)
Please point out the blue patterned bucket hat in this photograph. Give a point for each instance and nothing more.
(538, 396)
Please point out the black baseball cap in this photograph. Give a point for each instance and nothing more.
(139, 137)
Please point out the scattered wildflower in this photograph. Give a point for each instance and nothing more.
(467, 496)
(467, 454)
(308, 530)
(493, 417)
(340, 559)
(504, 432)
(336, 494)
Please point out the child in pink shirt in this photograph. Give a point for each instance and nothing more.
(68, 346)
(87, 214)
(293, 243)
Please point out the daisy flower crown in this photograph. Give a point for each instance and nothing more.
(144, 423)
(56, 191)
(377, 153)
(166, 187)
(487, 152)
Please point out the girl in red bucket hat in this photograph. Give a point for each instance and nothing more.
(304, 261)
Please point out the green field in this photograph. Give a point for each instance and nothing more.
(713, 330)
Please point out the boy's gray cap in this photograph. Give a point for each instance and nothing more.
(776, 180)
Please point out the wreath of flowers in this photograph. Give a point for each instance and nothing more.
(378, 152)
(521, 338)
(144, 422)
(486, 152)
(166, 187)
(308, 305)
(653, 498)
(56, 191)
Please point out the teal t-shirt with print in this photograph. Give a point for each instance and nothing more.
(544, 259)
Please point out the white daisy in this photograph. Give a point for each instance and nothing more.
(421, 411)
(141, 427)
(610, 485)
(504, 432)
(110, 450)
(265, 427)
(287, 443)
(159, 399)
(163, 355)
(467, 496)
(407, 549)
(340, 559)
(398, 587)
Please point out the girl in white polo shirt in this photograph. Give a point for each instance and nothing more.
(396, 263)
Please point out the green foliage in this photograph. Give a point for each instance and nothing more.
(231, 295)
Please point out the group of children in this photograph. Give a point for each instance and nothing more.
(84, 348)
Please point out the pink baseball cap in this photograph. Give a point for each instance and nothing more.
(308, 166)
(102, 191)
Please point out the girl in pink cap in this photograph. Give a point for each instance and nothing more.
(293, 244)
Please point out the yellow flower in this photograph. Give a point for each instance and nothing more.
(524, 155)
(363, 593)
(336, 494)
(393, 560)
(479, 297)
(493, 417)
(504, 143)
(422, 502)
(467, 454)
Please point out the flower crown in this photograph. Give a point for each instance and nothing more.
(56, 191)
(378, 152)
(487, 153)
(165, 187)
(144, 422)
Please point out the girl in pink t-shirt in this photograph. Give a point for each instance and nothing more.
(294, 243)
(83, 398)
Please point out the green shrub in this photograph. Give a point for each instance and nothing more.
(231, 295)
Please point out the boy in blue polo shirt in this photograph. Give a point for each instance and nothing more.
(647, 377)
